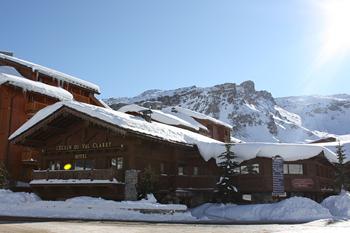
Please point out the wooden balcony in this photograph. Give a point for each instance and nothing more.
(96, 174)
(33, 107)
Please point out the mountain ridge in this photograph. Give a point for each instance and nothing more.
(255, 114)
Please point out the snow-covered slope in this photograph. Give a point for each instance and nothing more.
(254, 115)
(322, 113)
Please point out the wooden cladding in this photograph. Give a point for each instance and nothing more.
(33, 107)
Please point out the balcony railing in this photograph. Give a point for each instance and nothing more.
(95, 174)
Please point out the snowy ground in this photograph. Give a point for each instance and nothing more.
(103, 227)
(292, 210)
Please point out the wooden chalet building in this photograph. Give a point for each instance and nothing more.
(25, 88)
(213, 128)
(308, 177)
(185, 119)
(106, 148)
(89, 150)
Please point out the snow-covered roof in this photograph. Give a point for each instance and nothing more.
(53, 73)
(186, 118)
(160, 116)
(194, 114)
(38, 87)
(343, 140)
(104, 104)
(288, 151)
(207, 147)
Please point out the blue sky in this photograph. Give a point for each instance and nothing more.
(130, 46)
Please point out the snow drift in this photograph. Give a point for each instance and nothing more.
(295, 209)
(8, 197)
(338, 205)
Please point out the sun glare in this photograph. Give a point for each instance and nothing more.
(336, 35)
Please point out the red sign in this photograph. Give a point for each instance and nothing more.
(303, 183)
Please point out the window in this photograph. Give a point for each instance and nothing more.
(180, 170)
(293, 169)
(162, 171)
(247, 169)
(244, 170)
(83, 164)
(195, 171)
(55, 165)
(79, 165)
(120, 163)
(117, 163)
(88, 164)
(113, 162)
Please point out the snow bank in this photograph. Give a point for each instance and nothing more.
(29, 205)
(52, 73)
(8, 197)
(38, 87)
(295, 209)
(338, 205)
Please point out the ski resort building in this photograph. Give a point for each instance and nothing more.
(25, 88)
(90, 150)
(186, 119)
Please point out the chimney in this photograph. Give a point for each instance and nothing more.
(146, 114)
(7, 53)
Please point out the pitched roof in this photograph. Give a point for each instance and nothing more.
(206, 145)
(208, 148)
(160, 116)
(38, 87)
(53, 73)
(178, 111)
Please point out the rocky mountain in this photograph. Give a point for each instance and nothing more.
(256, 115)
(322, 113)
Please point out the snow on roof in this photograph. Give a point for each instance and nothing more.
(288, 151)
(344, 140)
(196, 115)
(38, 87)
(207, 147)
(104, 104)
(53, 73)
(186, 118)
(159, 116)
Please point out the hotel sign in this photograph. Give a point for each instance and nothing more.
(303, 183)
(277, 177)
(84, 146)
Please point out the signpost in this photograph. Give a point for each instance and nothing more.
(277, 177)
